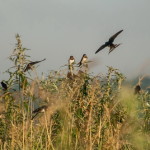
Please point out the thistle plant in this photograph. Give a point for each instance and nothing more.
(17, 77)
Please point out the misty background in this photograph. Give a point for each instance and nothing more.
(56, 29)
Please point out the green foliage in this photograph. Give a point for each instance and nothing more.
(19, 59)
(84, 111)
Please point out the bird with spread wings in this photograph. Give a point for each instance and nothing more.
(109, 43)
(31, 64)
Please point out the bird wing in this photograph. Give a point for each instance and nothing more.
(112, 38)
(103, 46)
(29, 65)
(79, 64)
(34, 116)
(35, 62)
(39, 109)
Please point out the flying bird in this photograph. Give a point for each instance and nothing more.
(31, 64)
(41, 109)
(83, 60)
(4, 85)
(109, 43)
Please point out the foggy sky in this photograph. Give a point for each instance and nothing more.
(56, 29)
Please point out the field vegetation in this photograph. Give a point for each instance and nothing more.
(84, 111)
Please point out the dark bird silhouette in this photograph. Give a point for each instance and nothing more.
(41, 109)
(83, 60)
(137, 89)
(31, 64)
(4, 85)
(109, 43)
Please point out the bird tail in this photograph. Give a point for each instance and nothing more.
(34, 116)
(43, 59)
(79, 64)
(113, 46)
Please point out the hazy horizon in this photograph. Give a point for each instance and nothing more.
(57, 29)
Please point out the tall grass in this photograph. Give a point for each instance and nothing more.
(85, 112)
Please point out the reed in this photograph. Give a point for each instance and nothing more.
(84, 112)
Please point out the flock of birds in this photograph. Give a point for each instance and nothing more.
(109, 44)
(71, 62)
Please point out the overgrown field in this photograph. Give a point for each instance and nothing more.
(84, 111)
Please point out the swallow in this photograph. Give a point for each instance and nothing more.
(71, 61)
(83, 60)
(41, 109)
(31, 64)
(137, 89)
(109, 43)
(4, 85)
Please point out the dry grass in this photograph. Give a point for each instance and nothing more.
(84, 112)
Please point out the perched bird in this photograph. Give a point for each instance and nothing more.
(137, 89)
(83, 60)
(109, 43)
(71, 61)
(31, 64)
(4, 85)
(41, 109)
